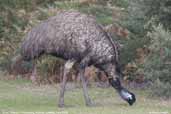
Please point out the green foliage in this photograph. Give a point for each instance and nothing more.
(160, 10)
(14, 20)
(161, 89)
(102, 12)
(134, 20)
(141, 20)
(128, 53)
(157, 66)
(120, 3)
(141, 11)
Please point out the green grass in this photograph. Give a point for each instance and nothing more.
(21, 95)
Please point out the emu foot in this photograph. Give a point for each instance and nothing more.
(61, 105)
(61, 101)
(89, 103)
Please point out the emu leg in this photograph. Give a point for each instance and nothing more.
(34, 74)
(85, 92)
(68, 65)
(83, 65)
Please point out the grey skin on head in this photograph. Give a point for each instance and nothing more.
(76, 38)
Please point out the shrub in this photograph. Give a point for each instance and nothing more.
(14, 20)
(157, 66)
(140, 18)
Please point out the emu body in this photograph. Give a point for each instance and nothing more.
(77, 38)
(69, 35)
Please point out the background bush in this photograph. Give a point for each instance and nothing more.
(148, 21)
(157, 67)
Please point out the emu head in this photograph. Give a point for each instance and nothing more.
(127, 96)
(112, 73)
(124, 93)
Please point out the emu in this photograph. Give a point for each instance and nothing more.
(76, 38)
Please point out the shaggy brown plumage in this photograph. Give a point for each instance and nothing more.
(77, 38)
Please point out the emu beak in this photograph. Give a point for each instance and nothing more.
(127, 96)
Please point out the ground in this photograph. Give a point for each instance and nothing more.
(21, 95)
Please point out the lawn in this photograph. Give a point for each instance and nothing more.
(22, 95)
